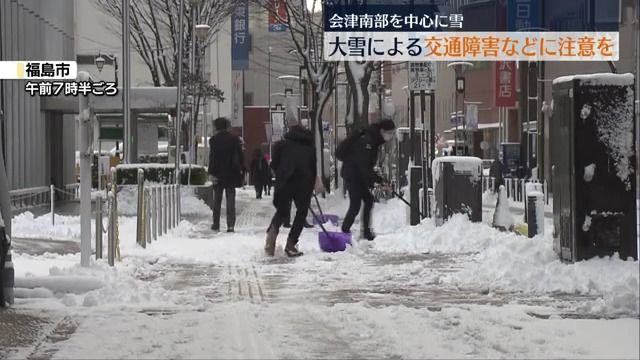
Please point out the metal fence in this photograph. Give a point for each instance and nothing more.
(158, 210)
(516, 188)
(28, 198)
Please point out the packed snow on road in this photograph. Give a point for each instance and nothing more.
(461, 290)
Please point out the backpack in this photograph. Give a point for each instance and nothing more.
(345, 146)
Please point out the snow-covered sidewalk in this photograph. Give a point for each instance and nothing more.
(461, 290)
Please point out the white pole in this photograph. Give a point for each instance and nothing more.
(178, 120)
(85, 142)
(52, 200)
(129, 157)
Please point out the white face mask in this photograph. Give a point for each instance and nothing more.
(387, 135)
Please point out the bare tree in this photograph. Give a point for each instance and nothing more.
(359, 76)
(154, 35)
(306, 29)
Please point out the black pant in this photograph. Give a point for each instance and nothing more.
(230, 194)
(283, 195)
(358, 194)
(260, 187)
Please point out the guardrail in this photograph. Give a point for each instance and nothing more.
(516, 188)
(28, 198)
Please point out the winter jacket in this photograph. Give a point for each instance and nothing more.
(496, 171)
(359, 163)
(226, 160)
(260, 171)
(293, 159)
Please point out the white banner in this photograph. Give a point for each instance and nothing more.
(277, 125)
(237, 100)
(471, 46)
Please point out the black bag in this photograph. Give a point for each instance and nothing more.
(344, 147)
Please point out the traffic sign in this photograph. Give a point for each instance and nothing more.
(422, 75)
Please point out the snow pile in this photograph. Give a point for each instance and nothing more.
(589, 171)
(585, 112)
(598, 79)
(614, 121)
(461, 165)
(502, 217)
(189, 202)
(26, 225)
(507, 261)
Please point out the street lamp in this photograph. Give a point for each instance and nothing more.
(100, 62)
(460, 68)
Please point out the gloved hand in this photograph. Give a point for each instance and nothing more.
(319, 186)
(213, 179)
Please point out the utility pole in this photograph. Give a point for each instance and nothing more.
(130, 155)
(178, 120)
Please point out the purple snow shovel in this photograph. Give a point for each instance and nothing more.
(330, 241)
(324, 218)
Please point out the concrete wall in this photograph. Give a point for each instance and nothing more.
(33, 30)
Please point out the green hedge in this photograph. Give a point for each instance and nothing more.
(160, 173)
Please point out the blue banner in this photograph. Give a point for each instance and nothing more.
(523, 14)
(389, 18)
(240, 43)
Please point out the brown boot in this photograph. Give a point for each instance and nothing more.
(270, 243)
(292, 249)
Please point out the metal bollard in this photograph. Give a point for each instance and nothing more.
(154, 212)
(140, 212)
(178, 205)
(176, 202)
(165, 208)
(52, 196)
(111, 239)
(431, 202)
(99, 227)
(535, 213)
(147, 201)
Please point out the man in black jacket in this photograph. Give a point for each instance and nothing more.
(294, 163)
(359, 175)
(226, 166)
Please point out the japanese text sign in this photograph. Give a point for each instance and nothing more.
(240, 36)
(422, 75)
(523, 14)
(505, 83)
(38, 70)
(276, 22)
(471, 46)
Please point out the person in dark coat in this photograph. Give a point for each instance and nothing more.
(496, 171)
(226, 166)
(294, 163)
(260, 173)
(359, 175)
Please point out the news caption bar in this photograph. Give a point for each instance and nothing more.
(471, 46)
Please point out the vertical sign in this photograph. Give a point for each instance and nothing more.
(505, 83)
(240, 36)
(422, 75)
(472, 116)
(237, 99)
(522, 14)
(275, 23)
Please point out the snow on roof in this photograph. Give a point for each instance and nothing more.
(598, 79)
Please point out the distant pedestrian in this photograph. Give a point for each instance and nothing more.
(226, 166)
(260, 173)
(358, 172)
(496, 171)
(294, 163)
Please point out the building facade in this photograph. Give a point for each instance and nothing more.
(39, 146)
